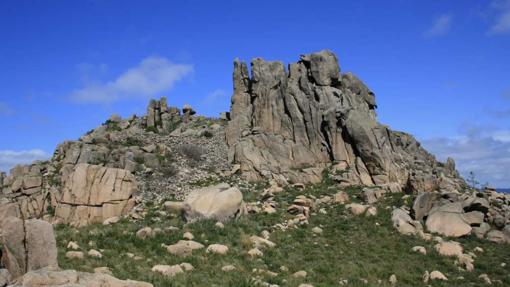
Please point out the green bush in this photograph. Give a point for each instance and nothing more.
(112, 126)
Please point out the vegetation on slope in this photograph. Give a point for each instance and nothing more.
(365, 251)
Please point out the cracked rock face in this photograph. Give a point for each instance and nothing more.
(92, 194)
(291, 124)
(29, 245)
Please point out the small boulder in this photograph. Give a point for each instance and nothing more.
(371, 211)
(436, 275)
(497, 236)
(145, 232)
(111, 220)
(186, 266)
(73, 245)
(393, 280)
(94, 253)
(183, 248)
(228, 268)
(255, 252)
(75, 255)
(419, 249)
(356, 208)
(466, 261)
(217, 249)
(167, 270)
(317, 230)
(341, 197)
(300, 274)
(449, 248)
(259, 242)
(485, 279)
(188, 236)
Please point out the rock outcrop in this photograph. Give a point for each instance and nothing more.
(486, 214)
(291, 125)
(27, 245)
(92, 194)
(25, 192)
(162, 117)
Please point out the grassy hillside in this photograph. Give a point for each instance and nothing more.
(365, 251)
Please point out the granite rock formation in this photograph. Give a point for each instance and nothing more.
(290, 125)
(164, 150)
(92, 194)
(483, 213)
(28, 245)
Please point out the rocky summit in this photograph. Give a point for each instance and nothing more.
(290, 124)
(297, 185)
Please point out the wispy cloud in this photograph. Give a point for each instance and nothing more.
(10, 158)
(441, 26)
(214, 97)
(502, 23)
(482, 150)
(152, 76)
(5, 110)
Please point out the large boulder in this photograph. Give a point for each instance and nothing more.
(423, 204)
(52, 277)
(403, 222)
(219, 202)
(448, 220)
(290, 124)
(28, 245)
(92, 194)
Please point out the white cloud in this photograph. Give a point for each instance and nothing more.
(502, 23)
(440, 26)
(486, 153)
(5, 110)
(152, 76)
(10, 158)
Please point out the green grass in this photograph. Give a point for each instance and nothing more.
(350, 248)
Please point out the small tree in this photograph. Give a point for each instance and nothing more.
(472, 180)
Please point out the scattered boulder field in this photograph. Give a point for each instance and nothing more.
(297, 185)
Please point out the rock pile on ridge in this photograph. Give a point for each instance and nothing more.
(485, 214)
(290, 125)
(159, 155)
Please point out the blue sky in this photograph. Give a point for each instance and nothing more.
(439, 69)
